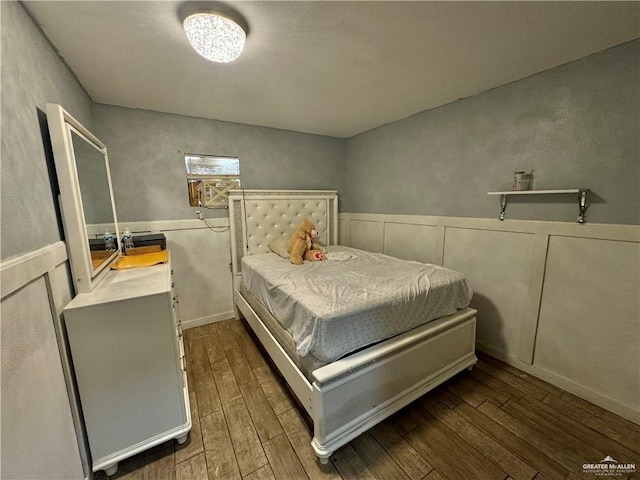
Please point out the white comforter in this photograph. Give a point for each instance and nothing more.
(334, 307)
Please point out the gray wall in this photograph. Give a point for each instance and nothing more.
(147, 164)
(38, 438)
(32, 76)
(576, 125)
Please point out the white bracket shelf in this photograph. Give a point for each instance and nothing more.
(581, 192)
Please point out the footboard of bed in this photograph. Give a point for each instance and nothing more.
(352, 395)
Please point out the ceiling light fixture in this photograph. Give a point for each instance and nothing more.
(215, 37)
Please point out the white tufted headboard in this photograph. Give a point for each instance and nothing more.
(258, 216)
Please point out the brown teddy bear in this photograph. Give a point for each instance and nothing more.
(301, 246)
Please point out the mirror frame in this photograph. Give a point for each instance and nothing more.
(85, 277)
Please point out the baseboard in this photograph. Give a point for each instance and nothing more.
(198, 322)
(570, 386)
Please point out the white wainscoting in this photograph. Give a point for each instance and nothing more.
(557, 300)
(42, 433)
(493, 260)
(593, 281)
(201, 261)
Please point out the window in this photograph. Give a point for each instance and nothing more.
(209, 179)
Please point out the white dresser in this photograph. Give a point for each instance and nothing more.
(128, 355)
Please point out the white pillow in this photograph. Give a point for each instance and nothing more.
(279, 245)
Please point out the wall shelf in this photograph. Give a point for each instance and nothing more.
(581, 192)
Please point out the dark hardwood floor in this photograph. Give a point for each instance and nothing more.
(493, 423)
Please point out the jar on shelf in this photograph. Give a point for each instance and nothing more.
(522, 181)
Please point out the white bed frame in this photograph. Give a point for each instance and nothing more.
(350, 395)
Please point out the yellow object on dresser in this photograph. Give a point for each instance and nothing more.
(142, 260)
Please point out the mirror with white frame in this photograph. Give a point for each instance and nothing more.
(86, 198)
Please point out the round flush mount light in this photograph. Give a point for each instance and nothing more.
(215, 37)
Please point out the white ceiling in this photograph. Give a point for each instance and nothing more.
(331, 68)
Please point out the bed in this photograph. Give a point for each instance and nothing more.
(347, 383)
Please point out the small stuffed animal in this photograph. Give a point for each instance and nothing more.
(301, 246)
(314, 255)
